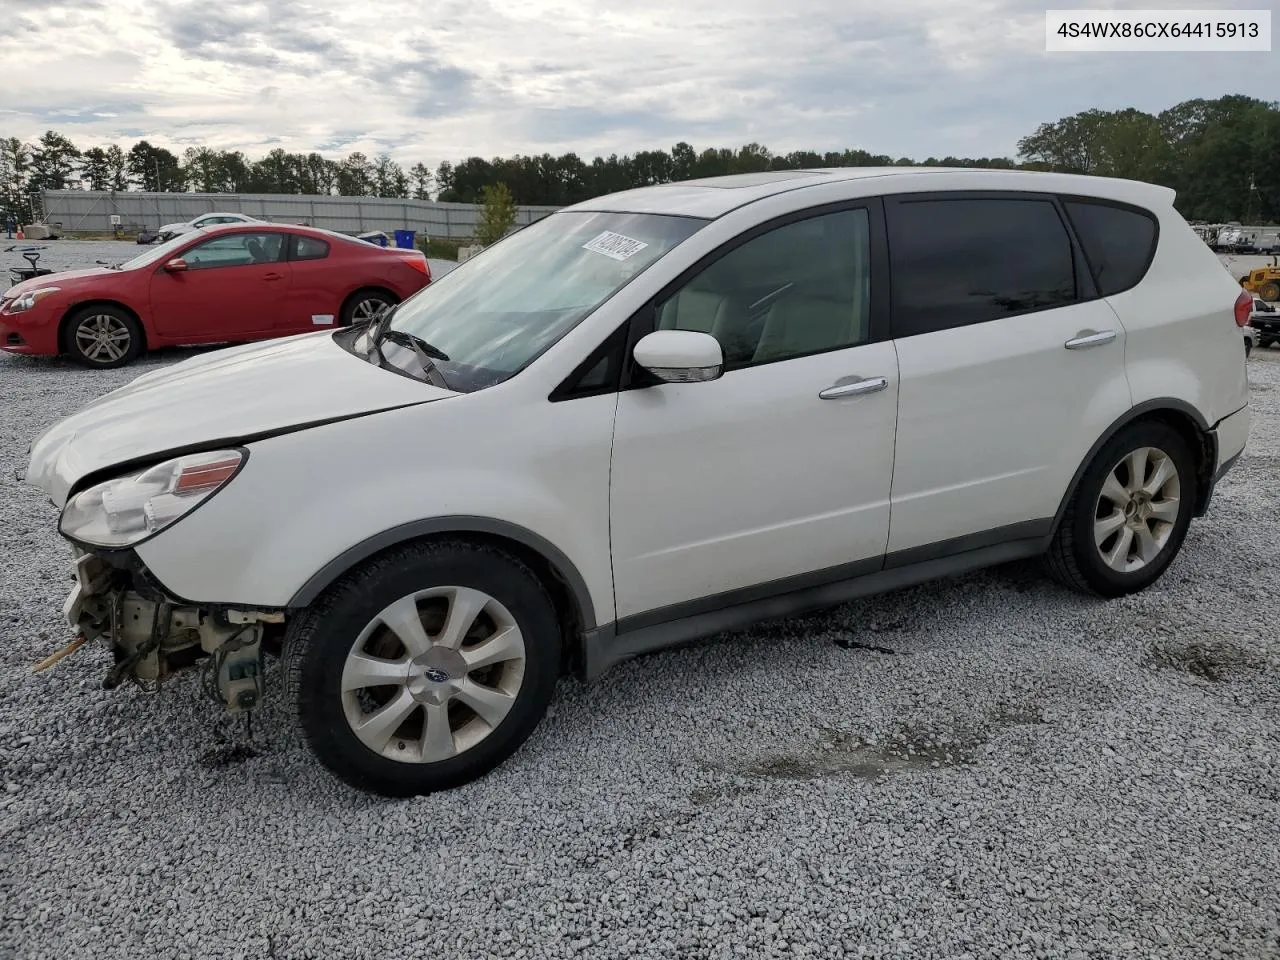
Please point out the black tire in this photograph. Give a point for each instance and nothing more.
(79, 337)
(1263, 343)
(362, 300)
(1075, 560)
(318, 642)
(1270, 291)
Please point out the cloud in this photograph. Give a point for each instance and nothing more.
(456, 78)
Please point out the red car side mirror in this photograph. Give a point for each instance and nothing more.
(177, 265)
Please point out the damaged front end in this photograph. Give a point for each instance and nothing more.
(153, 636)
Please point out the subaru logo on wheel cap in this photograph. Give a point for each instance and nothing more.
(435, 675)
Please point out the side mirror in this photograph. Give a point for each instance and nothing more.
(680, 356)
(176, 265)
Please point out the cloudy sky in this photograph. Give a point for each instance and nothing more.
(432, 80)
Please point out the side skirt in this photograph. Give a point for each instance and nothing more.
(613, 643)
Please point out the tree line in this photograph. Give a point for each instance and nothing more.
(1222, 156)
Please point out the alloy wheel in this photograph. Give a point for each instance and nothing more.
(368, 309)
(103, 338)
(1137, 509)
(433, 674)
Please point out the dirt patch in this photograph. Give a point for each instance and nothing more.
(228, 755)
(843, 754)
(906, 750)
(1207, 657)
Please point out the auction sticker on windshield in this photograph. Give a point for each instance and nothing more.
(614, 245)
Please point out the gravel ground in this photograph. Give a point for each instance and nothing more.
(983, 767)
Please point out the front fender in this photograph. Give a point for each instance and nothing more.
(309, 505)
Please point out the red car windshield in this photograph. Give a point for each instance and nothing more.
(156, 254)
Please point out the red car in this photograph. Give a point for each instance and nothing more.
(214, 285)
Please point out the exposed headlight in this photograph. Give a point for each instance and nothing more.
(30, 299)
(121, 512)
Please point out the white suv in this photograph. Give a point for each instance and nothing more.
(647, 418)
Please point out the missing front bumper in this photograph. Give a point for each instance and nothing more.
(152, 638)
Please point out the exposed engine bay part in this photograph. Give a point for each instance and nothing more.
(153, 638)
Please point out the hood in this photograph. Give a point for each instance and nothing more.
(176, 227)
(226, 396)
(55, 280)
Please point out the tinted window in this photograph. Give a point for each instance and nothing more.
(237, 250)
(957, 262)
(1119, 243)
(801, 288)
(309, 248)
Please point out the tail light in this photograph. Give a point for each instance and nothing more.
(1244, 306)
(420, 264)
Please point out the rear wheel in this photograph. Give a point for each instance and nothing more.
(1129, 515)
(425, 668)
(103, 337)
(364, 305)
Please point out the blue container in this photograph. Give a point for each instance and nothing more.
(404, 239)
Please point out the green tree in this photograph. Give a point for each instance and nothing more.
(95, 169)
(117, 168)
(15, 161)
(155, 168)
(355, 176)
(420, 178)
(53, 162)
(389, 179)
(202, 169)
(497, 215)
(322, 175)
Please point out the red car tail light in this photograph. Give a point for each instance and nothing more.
(1244, 306)
(419, 263)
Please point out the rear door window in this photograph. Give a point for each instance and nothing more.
(1119, 242)
(960, 261)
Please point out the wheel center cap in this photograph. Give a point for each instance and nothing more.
(1138, 509)
(436, 674)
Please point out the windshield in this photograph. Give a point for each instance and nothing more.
(156, 254)
(495, 313)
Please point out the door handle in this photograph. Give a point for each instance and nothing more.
(1086, 340)
(273, 276)
(855, 389)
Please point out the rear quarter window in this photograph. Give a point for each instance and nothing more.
(1119, 242)
(957, 261)
(309, 248)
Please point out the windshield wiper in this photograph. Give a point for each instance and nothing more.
(406, 339)
(422, 350)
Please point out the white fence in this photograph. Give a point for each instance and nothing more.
(91, 211)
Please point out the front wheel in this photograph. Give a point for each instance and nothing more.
(425, 668)
(1129, 515)
(1269, 290)
(103, 337)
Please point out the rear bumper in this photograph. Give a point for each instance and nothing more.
(1230, 436)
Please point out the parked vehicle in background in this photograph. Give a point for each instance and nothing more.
(1265, 321)
(650, 417)
(213, 285)
(1264, 281)
(171, 230)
